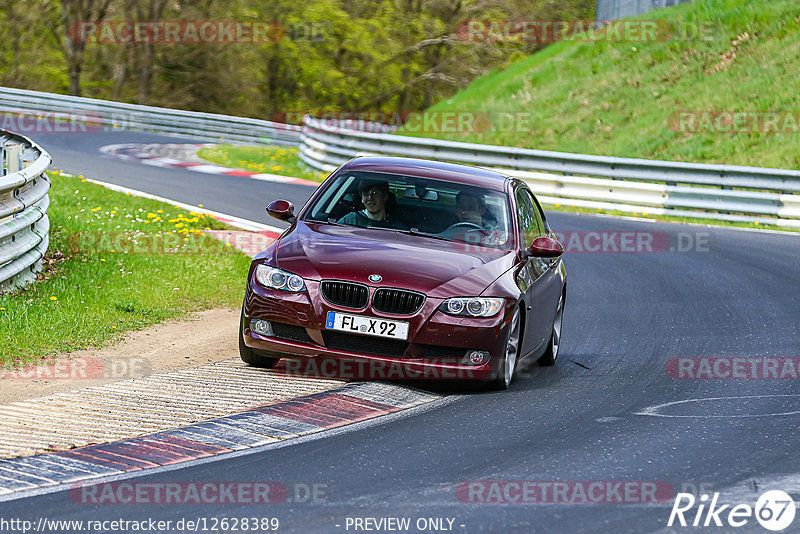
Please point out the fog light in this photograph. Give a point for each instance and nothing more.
(476, 357)
(261, 327)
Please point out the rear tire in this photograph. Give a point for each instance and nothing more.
(551, 354)
(248, 355)
(511, 356)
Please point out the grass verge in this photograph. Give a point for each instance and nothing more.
(115, 263)
(267, 159)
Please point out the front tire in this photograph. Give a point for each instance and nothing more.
(511, 356)
(551, 354)
(248, 355)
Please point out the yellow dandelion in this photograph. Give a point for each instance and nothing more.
(53, 298)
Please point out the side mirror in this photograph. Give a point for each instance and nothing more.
(546, 247)
(283, 210)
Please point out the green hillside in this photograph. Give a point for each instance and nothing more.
(619, 98)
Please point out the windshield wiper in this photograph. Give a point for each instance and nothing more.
(415, 231)
(334, 222)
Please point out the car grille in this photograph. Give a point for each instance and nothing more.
(365, 344)
(290, 332)
(345, 294)
(397, 301)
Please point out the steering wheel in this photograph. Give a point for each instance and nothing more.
(465, 225)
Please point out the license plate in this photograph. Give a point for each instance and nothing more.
(370, 326)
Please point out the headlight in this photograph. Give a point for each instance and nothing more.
(472, 306)
(278, 279)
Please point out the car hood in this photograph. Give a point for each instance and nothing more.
(434, 267)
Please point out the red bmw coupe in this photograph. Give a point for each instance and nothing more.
(407, 268)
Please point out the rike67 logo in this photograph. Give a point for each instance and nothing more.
(774, 510)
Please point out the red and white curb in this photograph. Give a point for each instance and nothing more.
(260, 426)
(135, 152)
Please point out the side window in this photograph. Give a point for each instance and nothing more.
(537, 209)
(529, 221)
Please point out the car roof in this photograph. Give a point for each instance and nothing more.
(423, 168)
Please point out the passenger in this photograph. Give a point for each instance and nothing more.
(377, 210)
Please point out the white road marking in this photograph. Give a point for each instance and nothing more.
(654, 410)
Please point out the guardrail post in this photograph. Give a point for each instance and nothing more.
(13, 158)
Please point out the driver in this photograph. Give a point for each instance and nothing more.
(375, 197)
(470, 208)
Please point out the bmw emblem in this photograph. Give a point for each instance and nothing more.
(375, 278)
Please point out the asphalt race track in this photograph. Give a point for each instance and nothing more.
(596, 416)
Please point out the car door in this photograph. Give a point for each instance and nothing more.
(530, 225)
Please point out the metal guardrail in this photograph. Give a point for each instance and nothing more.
(618, 9)
(105, 114)
(721, 192)
(24, 225)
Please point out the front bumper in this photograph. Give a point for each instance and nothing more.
(438, 344)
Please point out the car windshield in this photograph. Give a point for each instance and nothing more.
(420, 206)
